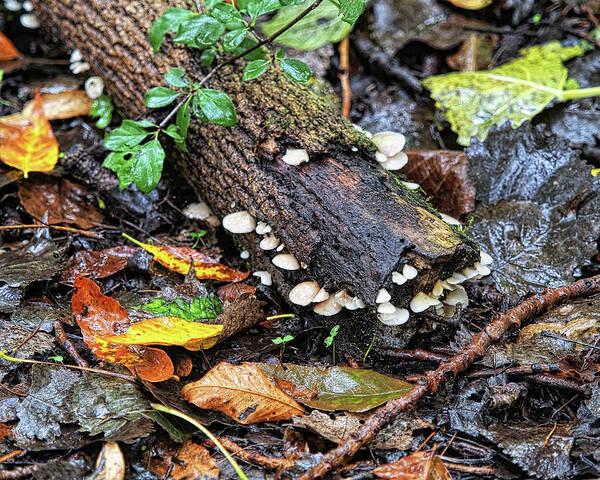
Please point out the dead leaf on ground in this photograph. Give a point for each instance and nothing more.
(475, 53)
(242, 392)
(30, 147)
(7, 49)
(110, 464)
(444, 175)
(101, 264)
(416, 466)
(56, 106)
(232, 291)
(63, 201)
(4, 431)
(186, 462)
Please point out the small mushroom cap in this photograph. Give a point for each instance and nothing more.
(399, 317)
(287, 261)
(389, 143)
(411, 185)
(269, 243)
(76, 55)
(304, 293)
(398, 278)
(457, 296)
(94, 86)
(450, 220)
(469, 272)
(383, 296)
(486, 259)
(295, 156)
(265, 277)
(396, 162)
(197, 211)
(321, 296)
(281, 247)
(328, 307)
(386, 307)
(409, 271)
(421, 302)
(439, 287)
(482, 270)
(380, 157)
(456, 278)
(262, 228)
(239, 222)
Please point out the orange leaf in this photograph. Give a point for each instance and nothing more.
(98, 264)
(100, 316)
(4, 430)
(7, 50)
(31, 147)
(416, 466)
(178, 260)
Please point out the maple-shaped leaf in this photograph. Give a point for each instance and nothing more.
(7, 49)
(473, 102)
(418, 465)
(30, 146)
(242, 392)
(178, 260)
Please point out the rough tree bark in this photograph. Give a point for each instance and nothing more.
(341, 214)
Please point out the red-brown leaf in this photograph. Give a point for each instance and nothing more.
(98, 264)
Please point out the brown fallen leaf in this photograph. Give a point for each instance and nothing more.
(242, 392)
(110, 464)
(98, 264)
(443, 174)
(4, 430)
(416, 466)
(232, 291)
(7, 49)
(63, 201)
(186, 462)
(56, 106)
(475, 53)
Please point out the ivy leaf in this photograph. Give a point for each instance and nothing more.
(170, 20)
(127, 136)
(233, 39)
(201, 308)
(255, 69)
(228, 15)
(148, 165)
(517, 91)
(175, 78)
(295, 69)
(158, 97)
(201, 31)
(351, 10)
(103, 108)
(323, 25)
(216, 106)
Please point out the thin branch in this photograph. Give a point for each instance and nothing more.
(85, 233)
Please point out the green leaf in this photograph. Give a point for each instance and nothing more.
(121, 163)
(351, 10)
(517, 91)
(321, 26)
(280, 54)
(170, 20)
(255, 69)
(201, 31)
(228, 15)
(128, 135)
(175, 78)
(211, 3)
(340, 388)
(158, 97)
(247, 44)
(208, 57)
(295, 69)
(256, 8)
(173, 132)
(233, 39)
(216, 106)
(182, 120)
(198, 310)
(103, 108)
(147, 165)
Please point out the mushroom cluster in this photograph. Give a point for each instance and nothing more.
(389, 150)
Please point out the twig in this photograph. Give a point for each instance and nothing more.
(556, 382)
(344, 76)
(271, 463)
(533, 369)
(472, 469)
(61, 336)
(431, 381)
(31, 335)
(55, 227)
(416, 354)
(11, 455)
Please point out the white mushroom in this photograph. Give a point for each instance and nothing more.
(486, 259)
(244, 254)
(76, 56)
(94, 87)
(280, 247)
(398, 278)
(269, 243)
(456, 278)
(295, 156)
(396, 162)
(469, 272)
(265, 277)
(482, 270)
(197, 211)
(399, 317)
(380, 157)
(411, 185)
(360, 129)
(450, 220)
(287, 261)
(79, 67)
(28, 6)
(321, 296)
(409, 272)
(457, 296)
(328, 307)
(386, 307)
(439, 287)
(421, 302)
(304, 293)
(389, 143)
(383, 296)
(262, 228)
(30, 20)
(239, 222)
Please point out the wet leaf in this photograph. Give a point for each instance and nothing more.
(200, 308)
(232, 291)
(338, 388)
(31, 147)
(7, 50)
(98, 316)
(178, 260)
(62, 200)
(89, 263)
(475, 53)
(56, 106)
(473, 102)
(243, 393)
(416, 466)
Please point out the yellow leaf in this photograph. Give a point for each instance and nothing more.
(169, 331)
(30, 147)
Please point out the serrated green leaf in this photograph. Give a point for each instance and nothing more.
(295, 69)
(170, 20)
(128, 135)
(256, 8)
(233, 39)
(103, 108)
(216, 106)
(175, 78)
(321, 26)
(121, 163)
(255, 69)
(199, 309)
(159, 97)
(351, 10)
(228, 15)
(201, 31)
(147, 165)
(517, 91)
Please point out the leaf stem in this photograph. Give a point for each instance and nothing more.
(174, 110)
(580, 93)
(203, 429)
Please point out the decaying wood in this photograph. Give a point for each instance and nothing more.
(432, 379)
(344, 218)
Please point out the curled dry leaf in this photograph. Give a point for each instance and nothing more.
(7, 50)
(110, 464)
(63, 201)
(178, 260)
(417, 466)
(190, 461)
(98, 264)
(30, 147)
(242, 392)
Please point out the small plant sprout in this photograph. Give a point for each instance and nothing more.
(330, 341)
(57, 358)
(197, 236)
(282, 341)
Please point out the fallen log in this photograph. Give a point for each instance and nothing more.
(351, 227)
